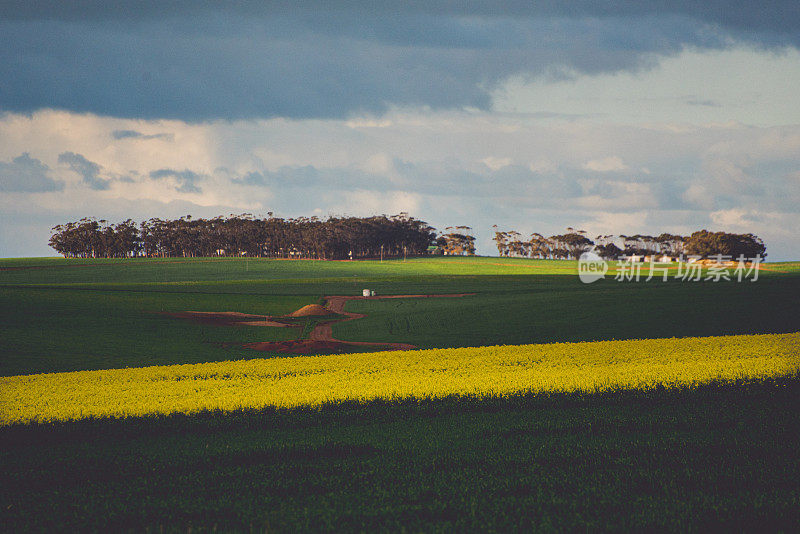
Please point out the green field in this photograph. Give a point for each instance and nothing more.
(64, 315)
(718, 456)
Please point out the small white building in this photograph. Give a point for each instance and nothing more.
(368, 293)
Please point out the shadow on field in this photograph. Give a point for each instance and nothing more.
(712, 457)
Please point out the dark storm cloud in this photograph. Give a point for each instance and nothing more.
(28, 175)
(186, 179)
(207, 60)
(772, 15)
(133, 134)
(125, 134)
(89, 170)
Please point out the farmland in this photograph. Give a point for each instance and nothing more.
(60, 315)
(663, 433)
(468, 372)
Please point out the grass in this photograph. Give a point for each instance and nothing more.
(66, 315)
(48, 330)
(555, 308)
(716, 457)
(146, 270)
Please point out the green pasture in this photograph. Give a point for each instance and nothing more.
(64, 315)
(150, 270)
(714, 458)
(555, 308)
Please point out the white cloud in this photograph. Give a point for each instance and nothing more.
(539, 175)
(542, 166)
(736, 220)
(383, 164)
(368, 123)
(617, 196)
(615, 223)
(610, 163)
(363, 202)
(496, 163)
(698, 195)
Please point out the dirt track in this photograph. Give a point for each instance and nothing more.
(320, 339)
(324, 332)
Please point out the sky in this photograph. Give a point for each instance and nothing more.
(611, 117)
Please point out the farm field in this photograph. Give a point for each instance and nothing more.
(708, 458)
(64, 315)
(688, 422)
(314, 381)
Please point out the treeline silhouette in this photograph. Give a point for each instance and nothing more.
(573, 243)
(245, 235)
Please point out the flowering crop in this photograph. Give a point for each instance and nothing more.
(316, 380)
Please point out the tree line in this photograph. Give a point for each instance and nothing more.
(362, 237)
(245, 235)
(573, 243)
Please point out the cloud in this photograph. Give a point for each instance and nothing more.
(496, 163)
(736, 219)
(89, 170)
(239, 60)
(375, 202)
(302, 176)
(368, 123)
(28, 175)
(611, 163)
(186, 180)
(426, 162)
(251, 178)
(706, 103)
(133, 134)
(695, 86)
(771, 16)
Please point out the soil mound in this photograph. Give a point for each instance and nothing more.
(311, 309)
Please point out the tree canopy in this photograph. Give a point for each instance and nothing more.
(706, 244)
(245, 235)
(574, 242)
(457, 241)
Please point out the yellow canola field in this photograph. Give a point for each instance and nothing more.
(314, 380)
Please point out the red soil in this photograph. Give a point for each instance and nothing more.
(320, 340)
(311, 310)
(323, 332)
